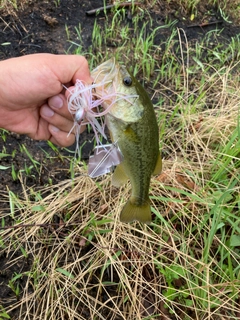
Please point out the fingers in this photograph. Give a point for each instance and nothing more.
(56, 113)
(60, 138)
(60, 121)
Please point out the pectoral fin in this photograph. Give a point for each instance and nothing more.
(119, 177)
(158, 167)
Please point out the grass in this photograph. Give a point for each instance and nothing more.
(85, 263)
(12, 5)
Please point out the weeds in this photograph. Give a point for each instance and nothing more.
(3, 313)
(85, 263)
(184, 265)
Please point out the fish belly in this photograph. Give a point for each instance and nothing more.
(140, 153)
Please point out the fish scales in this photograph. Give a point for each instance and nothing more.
(132, 124)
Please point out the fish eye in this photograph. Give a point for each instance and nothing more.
(127, 81)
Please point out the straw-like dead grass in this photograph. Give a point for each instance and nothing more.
(86, 264)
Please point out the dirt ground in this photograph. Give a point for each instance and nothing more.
(41, 27)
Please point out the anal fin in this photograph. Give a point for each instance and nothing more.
(158, 167)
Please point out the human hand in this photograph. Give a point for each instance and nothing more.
(32, 99)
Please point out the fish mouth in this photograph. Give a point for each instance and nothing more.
(117, 101)
(106, 72)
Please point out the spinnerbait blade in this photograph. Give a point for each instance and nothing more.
(104, 159)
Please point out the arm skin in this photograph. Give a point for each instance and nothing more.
(32, 99)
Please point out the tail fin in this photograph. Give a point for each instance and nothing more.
(131, 212)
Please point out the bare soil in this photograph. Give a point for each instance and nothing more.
(40, 26)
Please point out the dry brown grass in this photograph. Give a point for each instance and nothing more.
(86, 264)
(11, 6)
(90, 265)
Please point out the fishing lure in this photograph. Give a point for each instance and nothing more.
(84, 103)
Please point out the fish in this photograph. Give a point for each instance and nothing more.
(133, 126)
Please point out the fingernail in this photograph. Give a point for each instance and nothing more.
(53, 128)
(56, 102)
(47, 112)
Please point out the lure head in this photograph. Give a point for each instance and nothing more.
(80, 115)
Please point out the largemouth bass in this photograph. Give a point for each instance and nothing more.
(133, 126)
